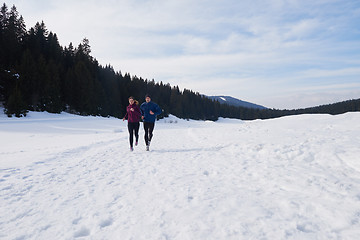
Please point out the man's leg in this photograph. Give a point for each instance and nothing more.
(151, 129)
(146, 136)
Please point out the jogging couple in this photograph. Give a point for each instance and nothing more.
(147, 112)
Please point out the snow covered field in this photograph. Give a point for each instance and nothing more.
(73, 177)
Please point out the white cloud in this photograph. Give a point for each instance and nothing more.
(332, 73)
(303, 29)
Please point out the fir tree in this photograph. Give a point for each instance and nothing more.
(14, 104)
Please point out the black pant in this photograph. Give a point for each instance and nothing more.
(148, 127)
(133, 128)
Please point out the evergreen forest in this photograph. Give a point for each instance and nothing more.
(37, 74)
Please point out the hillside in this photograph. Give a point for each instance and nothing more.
(236, 102)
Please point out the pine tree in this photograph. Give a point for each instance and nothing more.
(84, 87)
(175, 102)
(53, 100)
(12, 32)
(53, 49)
(84, 49)
(14, 104)
(69, 92)
(29, 80)
(3, 26)
(17, 24)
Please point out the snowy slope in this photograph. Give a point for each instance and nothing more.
(236, 102)
(73, 177)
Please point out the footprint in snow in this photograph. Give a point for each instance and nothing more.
(106, 222)
(83, 232)
(76, 221)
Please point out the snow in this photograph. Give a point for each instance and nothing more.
(73, 177)
(222, 98)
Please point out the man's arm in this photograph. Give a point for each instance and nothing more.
(158, 110)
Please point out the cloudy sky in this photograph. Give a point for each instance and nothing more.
(277, 53)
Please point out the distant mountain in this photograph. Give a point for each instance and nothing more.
(236, 102)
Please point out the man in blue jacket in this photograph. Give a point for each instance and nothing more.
(149, 111)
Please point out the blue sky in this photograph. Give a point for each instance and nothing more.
(277, 53)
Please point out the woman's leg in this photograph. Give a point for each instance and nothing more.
(136, 129)
(131, 137)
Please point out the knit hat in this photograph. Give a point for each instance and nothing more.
(147, 96)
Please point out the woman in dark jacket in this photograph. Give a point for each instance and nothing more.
(133, 115)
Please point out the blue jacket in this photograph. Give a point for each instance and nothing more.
(146, 108)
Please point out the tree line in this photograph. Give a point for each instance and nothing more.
(37, 74)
